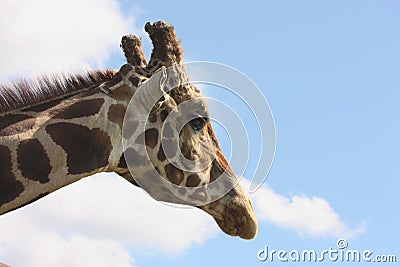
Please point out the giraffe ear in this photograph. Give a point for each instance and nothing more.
(151, 94)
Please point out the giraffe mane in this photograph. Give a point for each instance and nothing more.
(28, 93)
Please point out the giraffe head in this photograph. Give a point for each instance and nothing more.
(169, 144)
(173, 154)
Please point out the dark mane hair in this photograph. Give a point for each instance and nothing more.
(26, 93)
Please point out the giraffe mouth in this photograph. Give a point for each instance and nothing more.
(236, 222)
(234, 215)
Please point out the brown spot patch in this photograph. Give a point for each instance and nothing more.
(220, 159)
(220, 166)
(193, 180)
(125, 69)
(33, 161)
(160, 154)
(44, 106)
(122, 162)
(15, 124)
(10, 188)
(80, 109)
(89, 92)
(150, 137)
(11, 119)
(174, 175)
(122, 93)
(163, 115)
(115, 80)
(153, 117)
(187, 152)
(116, 114)
(87, 150)
(134, 80)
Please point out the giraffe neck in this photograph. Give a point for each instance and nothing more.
(52, 145)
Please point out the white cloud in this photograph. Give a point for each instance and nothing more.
(47, 248)
(311, 216)
(46, 35)
(96, 221)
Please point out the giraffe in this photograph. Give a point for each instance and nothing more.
(61, 129)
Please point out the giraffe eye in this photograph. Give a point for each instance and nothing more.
(197, 124)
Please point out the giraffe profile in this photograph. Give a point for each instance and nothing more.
(59, 129)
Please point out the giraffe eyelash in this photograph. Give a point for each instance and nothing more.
(198, 123)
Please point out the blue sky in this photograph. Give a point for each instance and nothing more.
(330, 72)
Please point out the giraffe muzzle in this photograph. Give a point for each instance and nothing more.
(234, 214)
(239, 220)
